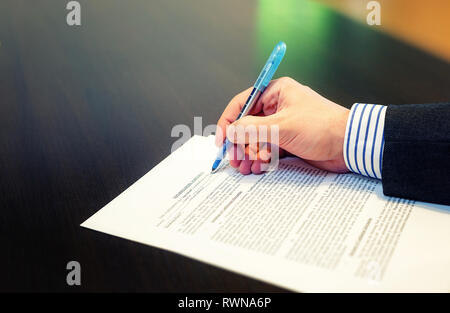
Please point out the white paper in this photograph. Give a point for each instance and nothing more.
(298, 227)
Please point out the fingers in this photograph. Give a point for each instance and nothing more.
(269, 100)
(267, 104)
(235, 155)
(262, 157)
(248, 159)
(254, 129)
(246, 165)
(231, 112)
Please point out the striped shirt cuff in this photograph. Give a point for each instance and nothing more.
(364, 139)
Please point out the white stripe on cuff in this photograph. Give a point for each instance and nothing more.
(364, 139)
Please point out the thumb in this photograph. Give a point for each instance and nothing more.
(253, 129)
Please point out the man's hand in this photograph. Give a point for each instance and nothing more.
(310, 126)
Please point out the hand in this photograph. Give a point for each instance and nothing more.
(310, 126)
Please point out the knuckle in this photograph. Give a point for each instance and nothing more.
(307, 88)
(286, 79)
(233, 100)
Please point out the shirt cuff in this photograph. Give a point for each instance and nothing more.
(364, 139)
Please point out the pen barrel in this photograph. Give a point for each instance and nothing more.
(251, 101)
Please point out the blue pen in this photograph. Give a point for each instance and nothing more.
(258, 88)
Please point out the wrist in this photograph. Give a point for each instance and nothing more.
(338, 138)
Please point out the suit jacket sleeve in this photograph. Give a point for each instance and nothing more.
(416, 158)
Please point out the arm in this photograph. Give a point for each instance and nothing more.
(416, 162)
(407, 146)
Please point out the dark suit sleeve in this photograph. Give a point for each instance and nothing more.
(416, 158)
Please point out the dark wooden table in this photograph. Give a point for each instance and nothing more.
(85, 111)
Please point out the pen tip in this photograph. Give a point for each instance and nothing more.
(215, 166)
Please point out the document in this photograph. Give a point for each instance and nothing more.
(297, 227)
